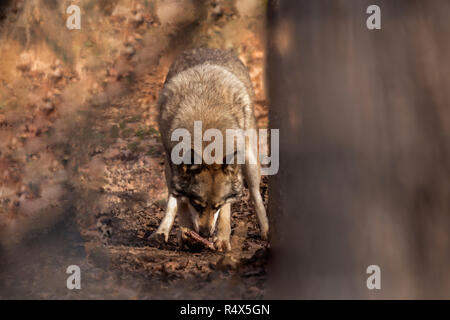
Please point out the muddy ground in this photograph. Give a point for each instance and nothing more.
(115, 193)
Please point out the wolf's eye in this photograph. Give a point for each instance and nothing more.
(218, 205)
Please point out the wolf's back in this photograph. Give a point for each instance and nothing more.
(226, 59)
(207, 85)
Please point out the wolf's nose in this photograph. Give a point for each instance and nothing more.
(204, 232)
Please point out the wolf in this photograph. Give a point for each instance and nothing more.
(212, 86)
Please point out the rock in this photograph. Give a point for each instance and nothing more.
(129, 51)
(137, 18)
(226, 263)
(170, 267)
(57, 74)
(130, 40)
(217, 11)
(254, 293)
(156, 239)
(48, 107)
(112, 153)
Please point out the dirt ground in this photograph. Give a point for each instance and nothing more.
(116, 198)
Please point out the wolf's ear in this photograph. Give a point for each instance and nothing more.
(164, 96)
(166, 93)
(231, 168)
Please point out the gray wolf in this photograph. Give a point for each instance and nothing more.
(214, 87)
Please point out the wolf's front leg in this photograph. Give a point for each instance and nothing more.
(162, 234)
(222, 241)
(184, 220)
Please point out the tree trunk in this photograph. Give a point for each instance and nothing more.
(364, 148)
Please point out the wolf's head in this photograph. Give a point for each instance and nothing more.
(207, 188)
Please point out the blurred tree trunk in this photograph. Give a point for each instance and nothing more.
(364, 148)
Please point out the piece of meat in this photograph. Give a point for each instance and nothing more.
(194, 241)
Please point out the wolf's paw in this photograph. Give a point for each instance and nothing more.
(264, 232)
(181, 238)
(157, 239)
(222, 245)
(264, 235)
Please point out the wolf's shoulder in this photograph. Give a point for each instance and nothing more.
(200, 56)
